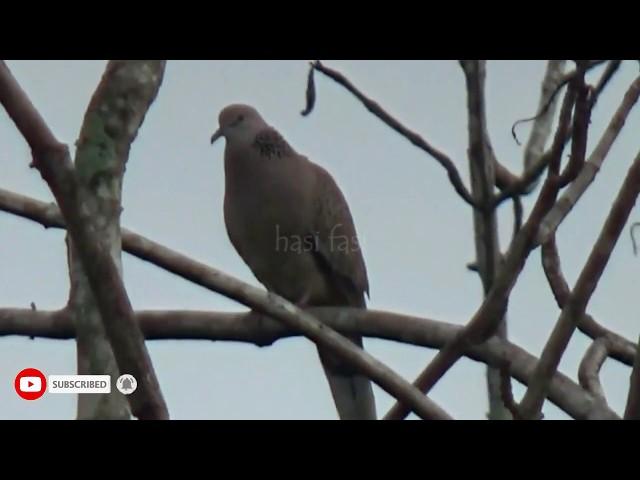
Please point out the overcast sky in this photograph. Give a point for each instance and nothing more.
(416, 233)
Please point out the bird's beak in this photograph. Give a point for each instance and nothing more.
(219, 133)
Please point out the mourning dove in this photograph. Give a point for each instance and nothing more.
(290, 223)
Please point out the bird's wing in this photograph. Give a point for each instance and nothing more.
(337, 245)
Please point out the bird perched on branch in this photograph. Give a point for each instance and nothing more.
(291, 224)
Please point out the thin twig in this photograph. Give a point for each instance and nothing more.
(506, 390)
(550, 159)
(632, 409)
(413, 137)
(589, 370)
(582, 68)
(612, 67)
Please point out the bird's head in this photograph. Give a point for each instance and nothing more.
(238, 122)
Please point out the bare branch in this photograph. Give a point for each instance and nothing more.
(551, 158)
(488, 317)
(632, 229)
(481, 167)
(632, 410)
(586, 284)
(506, 392)
(263, 331)
(413, 137)
(612, 67)
(490, 313)
(573, 193)
(51, 158)
(619, 347)
(541, 129)
(583, 66)
(111, 122)
(589, 370)
(254, 298)
(582, 117)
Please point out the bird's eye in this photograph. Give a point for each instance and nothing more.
(240, 118)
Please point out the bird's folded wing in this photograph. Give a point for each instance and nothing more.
(337, 244)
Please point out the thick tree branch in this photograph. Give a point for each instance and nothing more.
(481, 167)
(246, 294)
(115, 113)
(52, 159)
(586, 284)
(263, 331)
(413, 137)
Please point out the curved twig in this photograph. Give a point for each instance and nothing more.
(413, 137)
(589, 370)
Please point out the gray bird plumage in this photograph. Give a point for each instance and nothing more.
(291, 224)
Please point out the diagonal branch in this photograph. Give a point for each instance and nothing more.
(586, 284)
(573, 193)
(551, 158)
(619, 347)
(52, 159)
(413, 137)
(486, 319)
(253, 297)
(263, 331)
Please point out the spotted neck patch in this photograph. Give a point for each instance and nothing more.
(271, 144)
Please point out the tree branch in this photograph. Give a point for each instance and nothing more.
(248, 295)
(589, 370)
(51, 158)
(413, 137)
(619, 347)
(586, 284)
(573, 193)
(263, 331)
(481, 167)
(541, 129)
(487, 318)
(115, 114)
(632, 410)
(552, 158)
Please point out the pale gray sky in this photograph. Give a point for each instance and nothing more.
(415, 231)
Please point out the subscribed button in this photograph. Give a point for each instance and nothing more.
(30, 384)
(79, 384)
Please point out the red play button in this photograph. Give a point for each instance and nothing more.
(30, 384)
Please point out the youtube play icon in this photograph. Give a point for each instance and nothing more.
(30, 384)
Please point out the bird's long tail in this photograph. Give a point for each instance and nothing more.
(352, 392)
